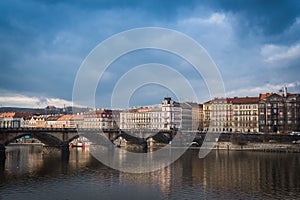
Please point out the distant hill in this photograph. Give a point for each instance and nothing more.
(45, 111)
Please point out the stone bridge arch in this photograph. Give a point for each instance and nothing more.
(45, 138)
(50, 137)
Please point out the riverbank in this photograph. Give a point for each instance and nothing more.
(262, 147)
(265, 147)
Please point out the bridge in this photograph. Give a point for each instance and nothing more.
(58, 137)
(61, 137)
(54, 137)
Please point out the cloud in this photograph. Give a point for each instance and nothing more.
(261, 17)
(280, 55)
(255, 91)
(19, 100)
(214, 19)
(44, 42)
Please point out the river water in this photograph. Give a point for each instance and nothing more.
(32, 172)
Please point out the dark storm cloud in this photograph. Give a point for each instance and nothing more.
(269, 17)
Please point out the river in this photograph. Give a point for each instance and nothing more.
(32, 172)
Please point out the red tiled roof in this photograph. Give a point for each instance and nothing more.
(245, 100)
(263, 96)
(50, 107)
(235, 100)
(53, 117)
(219, 100)
(65, 117)
(291, 95)
(23, 115)
(15, 115)
(8, 114)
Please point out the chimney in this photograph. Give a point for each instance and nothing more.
(285, 92)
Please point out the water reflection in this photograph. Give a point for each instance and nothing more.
(34, 172)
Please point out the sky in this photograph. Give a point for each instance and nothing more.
(255, 45)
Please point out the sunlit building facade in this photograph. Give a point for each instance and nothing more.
(166, 116)
(279, 112)
(238, 114)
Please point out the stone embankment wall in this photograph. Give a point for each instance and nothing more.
(269, 147)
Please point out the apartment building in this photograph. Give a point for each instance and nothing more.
(101, 119)
(279, 112)
(166, 116)
(14, 119)
(192, 116)
(245, 114)
(217, 114)
(238, 114)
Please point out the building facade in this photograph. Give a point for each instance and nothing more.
(166, 116)
(238, 114)
(245, 114)
(14, 119)
(101, 119)
(279, 112)
(217, 114)
(192, 116)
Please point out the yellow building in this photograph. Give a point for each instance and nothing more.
(238, 114)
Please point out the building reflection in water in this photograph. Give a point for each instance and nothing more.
(23, 159)
(35, 159)
(225, 173)
(237, 173)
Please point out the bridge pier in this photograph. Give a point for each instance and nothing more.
(65, 151)
(2, 156)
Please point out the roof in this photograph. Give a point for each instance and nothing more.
(8, 114)
(292, 95)
(53, 117)
(50, 107)
(263, 96)
(189, 105)
(241, 100)
(15, 115)
(219, 100)
(235, 100)
(65, 117)
(266, 95)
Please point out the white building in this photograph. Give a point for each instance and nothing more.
(166, 116)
